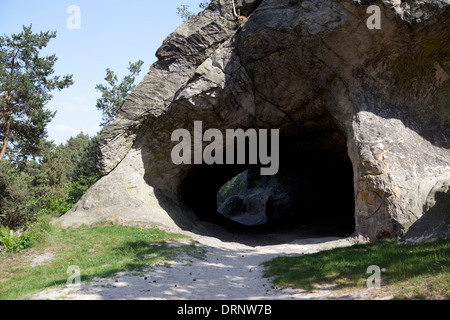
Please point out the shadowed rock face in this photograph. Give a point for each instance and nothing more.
(342, 96)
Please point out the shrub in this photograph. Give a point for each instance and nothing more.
(18, 203)
(12, 241)
(75, 190)
(56, 206)
(35, 233)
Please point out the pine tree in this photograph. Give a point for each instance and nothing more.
(25, 86)
(114, 95)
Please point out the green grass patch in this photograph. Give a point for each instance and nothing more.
(418, 267)
(99, 251)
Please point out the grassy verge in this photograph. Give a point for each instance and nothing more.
(409, 271)
(99, 251)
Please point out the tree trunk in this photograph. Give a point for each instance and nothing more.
(7, 130)
(5, 109)
(6, 139)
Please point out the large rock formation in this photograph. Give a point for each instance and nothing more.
(365, 111)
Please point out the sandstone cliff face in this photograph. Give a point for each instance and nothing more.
(352, 104)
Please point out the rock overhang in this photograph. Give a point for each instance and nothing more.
(313, 71)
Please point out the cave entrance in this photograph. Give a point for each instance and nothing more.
(312, 194)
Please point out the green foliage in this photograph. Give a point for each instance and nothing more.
(18, 200)
(25, 87)
(67, 162)
(34, 234)
(11, 241)
(51, 186)
(204, 4)
(75, 190)
(232, 187)
(37, 231)
(184, 13)
(57, 205)
(86, 162)
(22, 208)
(114, 95)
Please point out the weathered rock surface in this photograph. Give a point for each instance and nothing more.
(342, 96)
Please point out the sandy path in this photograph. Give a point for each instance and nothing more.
(230, 271)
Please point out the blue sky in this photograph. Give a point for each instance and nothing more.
(112, 33)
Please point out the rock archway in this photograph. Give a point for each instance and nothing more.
(363, 115)
(292, 198)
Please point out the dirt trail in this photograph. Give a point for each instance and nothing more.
(229, 271)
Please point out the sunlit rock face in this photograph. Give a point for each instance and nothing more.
(363, 117)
